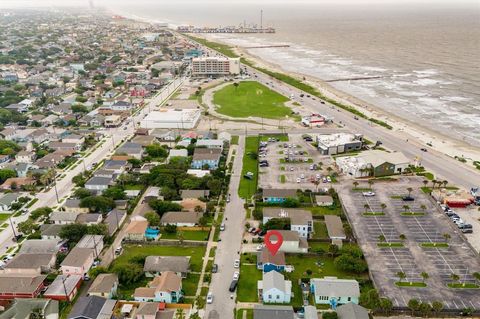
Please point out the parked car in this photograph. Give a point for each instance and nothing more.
(215, 268)
(236, 263)
(368, 194)
(408, 198)
(209, 297)
(236, 275)
(233, 285)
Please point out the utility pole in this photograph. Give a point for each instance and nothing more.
(13, 227)
(261, 19)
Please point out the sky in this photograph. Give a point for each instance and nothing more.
(30, 3)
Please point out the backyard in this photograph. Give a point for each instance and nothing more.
(251, 98)
(248, 187)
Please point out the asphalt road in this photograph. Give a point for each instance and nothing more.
(230, 244)
(64, 186)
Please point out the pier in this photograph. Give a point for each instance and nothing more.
(356, 78)
(268, 46)
(192, 29)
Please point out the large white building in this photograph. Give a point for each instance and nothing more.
(171, 118)
(373, 163)
(214, 66)
(331, 144)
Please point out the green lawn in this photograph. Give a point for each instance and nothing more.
(412, 214)
(390, 245)
(187, 235)
(248, 187)
(241, 311)
(234, 140)
(189, 284)
(373, 214)
(320, 230)
(463, 286)
(251, 98)
(434, 245)
(325, 210)
(247, 285)
(283, 179)
(3, 217)
(196, 254)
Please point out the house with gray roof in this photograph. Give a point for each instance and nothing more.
(181, 219)
(134, 150)
(301, 220)
(114, 220)
(89, 307)
(194, 193)
(63, 218)
(275, 195)
(330, 290)
(273, 288)
(31, 264)
(352, 311)
(7, 200)
(23, 308)
(104, 285)
(73, 206)
(155, 265)
(99, 184)
(269, 312)
(40, 246)
(51, 231)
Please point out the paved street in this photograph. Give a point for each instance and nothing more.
(229, 245)
(64, 186)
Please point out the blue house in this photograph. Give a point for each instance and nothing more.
(268, 262)
(275, 196)
(206, 157)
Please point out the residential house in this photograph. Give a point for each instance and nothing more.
(166, 288)
(152, 192)
(177, 153)
(39, 246)
(61, 146)
(335, 227)
(73, 206)
(121, 106)
(104, 285)
(334, 291)
(153, 310)
(23, 309)
(194, 193)
(270, 312)
(15, 183)
(275, 195)
(215, 144)
(117, 166)
(136, 229)
(4, 159)
(22, 169)
(134, 150)
(50, 231)
(99, 184)
(53, 159)
(64, 287)
(90, 219)
(92, 307)
(9, 133)
(114, 220)
(39, 136)
(156, 265)
(273, 288)
(7, 200)
(350, 311)
(21, 286)
(94, 242)
(20, 108)
(268, 262)
(25, 157)
(206, 157)
(181, 219)
(63, 218)
(301, 220)
(78, 261)
(74, 139)
(144, 140)
(165, 135)
(30, 264)
(292, 242)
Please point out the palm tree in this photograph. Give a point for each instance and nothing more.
(434, 182)
(236, 84)
(425, 182)
(423, 207)
(180, 314)
(386, 305)
(409, 190)
(413, 304)
(370, 183)
(366, 206)
(406, 207)
(355, 185)
(402, 237)
(401, 276)
(381, 238)
(36, 313)
(447, 236)
(383, 206)
(454, 277)
(180, 237)
(425, 276)
(437, 306)
(444, 182)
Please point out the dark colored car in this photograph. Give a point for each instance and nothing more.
(408, 198)
(233, 285)
(215, 268)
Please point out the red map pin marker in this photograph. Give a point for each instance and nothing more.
(274, 246)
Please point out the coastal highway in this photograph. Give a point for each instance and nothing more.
(115, 136)
(443, 166)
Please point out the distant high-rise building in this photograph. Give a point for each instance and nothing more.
(215, 66)
(90, 4)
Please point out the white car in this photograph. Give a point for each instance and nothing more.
(368, 194)
(302, 176)
(209, 297)
(317, 176)
(329, 179)
(260, 247)
(236, 263)
(236, 275)
(291, 168)
(298, 180)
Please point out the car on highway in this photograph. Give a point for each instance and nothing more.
(368, 194)
(236, 275)
(236, 263)
(209, 297)
(423, 149)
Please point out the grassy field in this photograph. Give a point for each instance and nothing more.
(196, 254)
(189, 284)
(188, 235)
(251, 99)
(320, 230)
(247, 285)
(3, 217)
(234, 140)
(240, 312)
(325, 210)
(248, 187)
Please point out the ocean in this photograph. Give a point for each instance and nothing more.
(422, 61)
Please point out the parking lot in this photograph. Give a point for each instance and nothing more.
(293, 164)
(412, 228)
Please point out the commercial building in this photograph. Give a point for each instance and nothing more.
(331, 144)
(171, 118)
(215, 66)
(373, 163)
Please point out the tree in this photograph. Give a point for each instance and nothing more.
(73, 232)
(39, 212)
(236, 84)
(203, 221)
(198, 209)
(79, 180)
(114, 193)
(437, 306)
(383, 206)
(27, 227)
(413, 304)
(454, 277)
(215, 186)
(381, 238)
(36, 313)
(355, 184)
(425, 308)
(402, 237)
(386, 305)
(367, 207)
(330, 315)
(156, 151)
(180, 314)
(476, 275)
(128, 275)
(444, 183)
(98, 204)
(406, 208)
(423, 207)
(350, 263)
(180, 237)
(401, 276)
(170, 229)
(424, 275)
(162, 207)
(6, 173)
(370, 183)
(369, 299)
(153, 219)
(277, 223)
(425, 182)
(332, 250)
(82, 193)
(446, 236)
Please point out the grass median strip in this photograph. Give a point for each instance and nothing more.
(412, 284)
(412, 214)
(434, 245)
(390, 245)
(373, 214)
(459, 285)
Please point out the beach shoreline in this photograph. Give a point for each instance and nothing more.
(409, 130)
